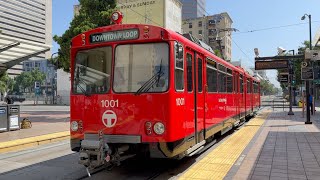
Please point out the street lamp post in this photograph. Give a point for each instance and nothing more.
(307, 81)
(52, 91)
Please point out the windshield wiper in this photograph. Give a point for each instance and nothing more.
(152, 81)
(80, 87)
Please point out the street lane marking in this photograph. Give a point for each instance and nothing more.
(218, 162)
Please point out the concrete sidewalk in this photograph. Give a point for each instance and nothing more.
(47, 126)
(285, 148)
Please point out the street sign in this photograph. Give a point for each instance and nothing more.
(307, 73)
(284, 77)
(313, 55)
(279, 57)
(37, 85)
(274, 64)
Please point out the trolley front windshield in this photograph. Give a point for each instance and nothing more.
(141, 68)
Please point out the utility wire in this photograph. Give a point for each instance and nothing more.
(275, 27)
(241, 50)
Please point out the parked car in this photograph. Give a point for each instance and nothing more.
(10, 99)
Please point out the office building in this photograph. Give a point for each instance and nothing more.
(215, 30)
(28, 21)
(193, 8)
(163, 13)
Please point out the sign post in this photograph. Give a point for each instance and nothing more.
(36, 91)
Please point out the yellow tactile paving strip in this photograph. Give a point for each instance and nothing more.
(218, 162)
(33, 141)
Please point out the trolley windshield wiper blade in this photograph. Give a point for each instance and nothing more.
(153, 80)
(80, 87)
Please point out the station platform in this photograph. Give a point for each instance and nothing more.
(273, 145)
(47, 126)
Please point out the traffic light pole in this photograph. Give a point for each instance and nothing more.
(307, 81)
(290, 87)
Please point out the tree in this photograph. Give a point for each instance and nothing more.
(6, 83)
(93, 14)
(267, 88)
(26, 80)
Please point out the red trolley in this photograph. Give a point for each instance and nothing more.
(142, 89)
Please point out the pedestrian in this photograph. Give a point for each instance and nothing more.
(311, 104)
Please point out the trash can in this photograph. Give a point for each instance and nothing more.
(3, 118)
(13, 117)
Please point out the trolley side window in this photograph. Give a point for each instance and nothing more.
(248, 86)
(212, 76)
(222, 78)
(179, 67)
(189, 73)
(241, 84)
(229, 81)
(199, 75)
(92, 71)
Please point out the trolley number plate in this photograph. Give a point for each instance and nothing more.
(110, 103)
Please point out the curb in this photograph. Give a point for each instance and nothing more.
(20, 144)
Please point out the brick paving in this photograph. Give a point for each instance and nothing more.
(285, 148)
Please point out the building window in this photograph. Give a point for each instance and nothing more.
(190, 25)
(200, 23)
(190, 32)
(200, 31)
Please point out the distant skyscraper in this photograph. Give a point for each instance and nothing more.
(193, 8)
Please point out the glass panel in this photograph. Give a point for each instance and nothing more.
(241, 85)
(211, 79)
(141, 66)
(229, 83)
(178, 73)
(189, 73)
(92, 71)
(222, 82)
(199, 75)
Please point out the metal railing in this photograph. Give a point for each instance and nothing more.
(276, 104)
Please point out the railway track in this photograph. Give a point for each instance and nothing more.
(151, 169)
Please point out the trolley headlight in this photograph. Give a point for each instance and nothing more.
(158, 128)
(74, 126)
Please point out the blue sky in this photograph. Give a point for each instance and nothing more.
(247, 15)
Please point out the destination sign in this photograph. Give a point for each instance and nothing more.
(284, 78)
(274, 64)
(128, 34)
(307, 73)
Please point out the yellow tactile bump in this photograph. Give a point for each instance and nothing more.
(219, 161)
(32, 141)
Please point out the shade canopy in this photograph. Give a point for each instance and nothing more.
(316, 39)
(14, 50)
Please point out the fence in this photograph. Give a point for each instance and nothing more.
(282, 103)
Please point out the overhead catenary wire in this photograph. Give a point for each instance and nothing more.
(241, 50)
(271, 28)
